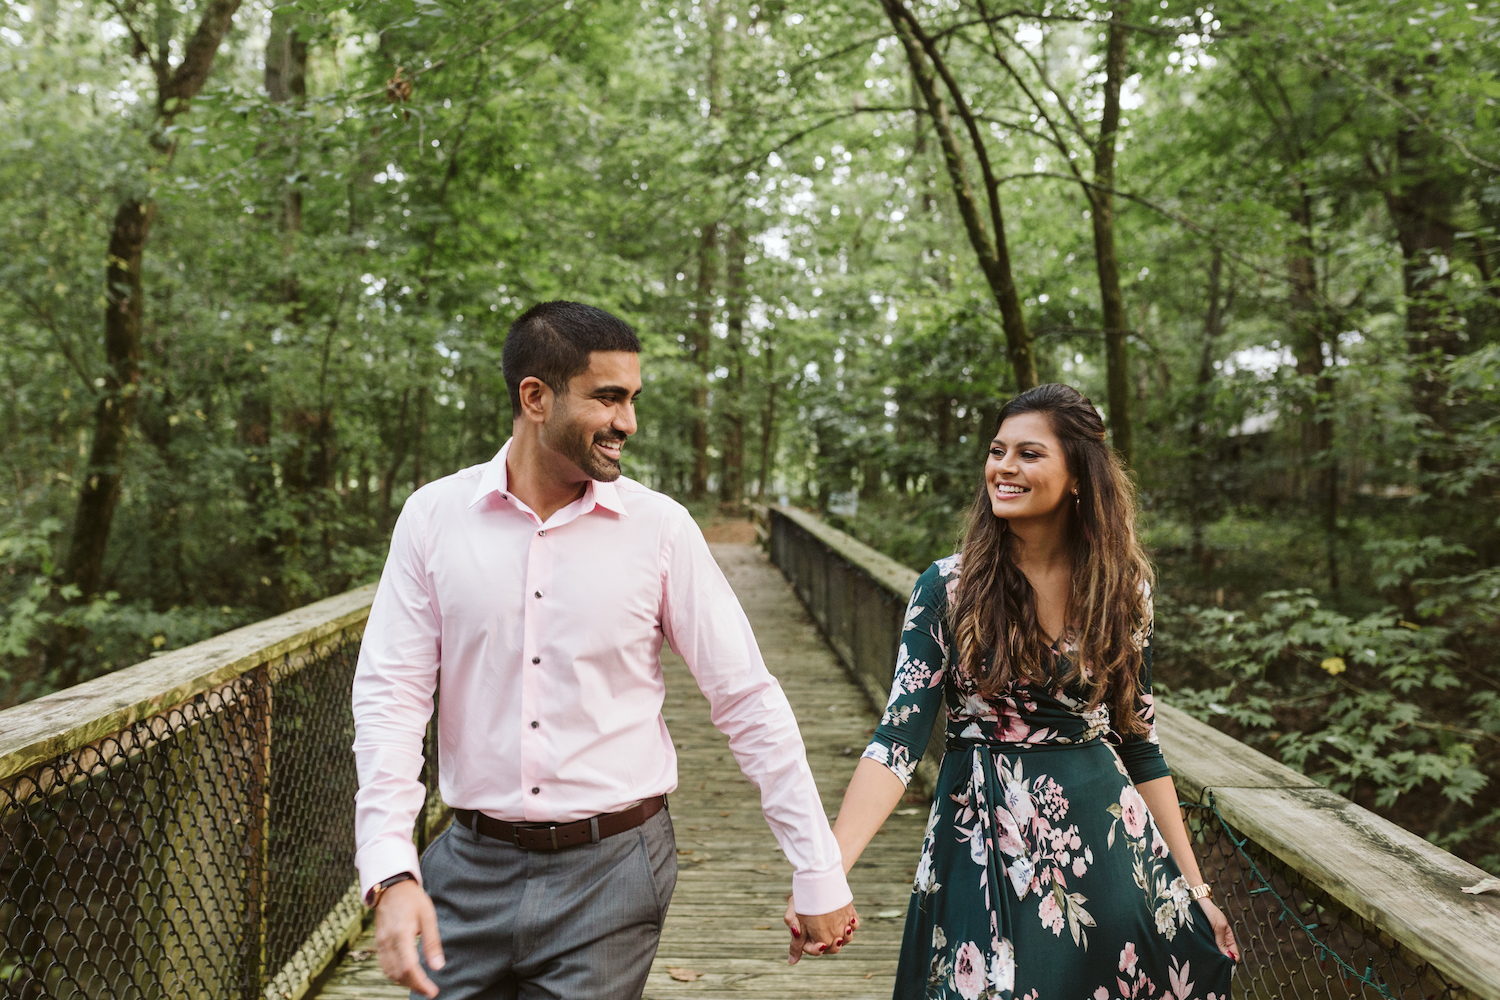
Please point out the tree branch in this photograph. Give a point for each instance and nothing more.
(994, 256)
(1188, 223)
(140, 43)
(1419, 120)
(187, 79)
(50, 323)
(1057, 139)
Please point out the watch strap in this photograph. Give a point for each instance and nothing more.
(1203, 891)
(380, 887)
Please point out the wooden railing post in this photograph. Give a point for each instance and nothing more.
(258, 883)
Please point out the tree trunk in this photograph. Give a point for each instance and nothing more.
(1102, 213)
(1420, 201)
(701, 336)
(1311, 336)
(1202, 487)
(115, 412)
(767, 417)
(698, 345)
(732, 482)
(994, 254)
(419, 437)
(397, 455)
(286, 56)
(286, 81)
(123, 312)
(946, 435)
(928, 192)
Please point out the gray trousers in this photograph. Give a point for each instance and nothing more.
(575, 924)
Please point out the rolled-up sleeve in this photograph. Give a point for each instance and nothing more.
(393, 687)
(704, 623)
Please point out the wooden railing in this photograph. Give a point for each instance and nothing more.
(1328, 898)
(184, 827)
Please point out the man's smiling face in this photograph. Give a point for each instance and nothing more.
(589, 423)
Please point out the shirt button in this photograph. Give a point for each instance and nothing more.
(534, 724)
(536, 791)
(539, 593)
(543, 532)
(536, 659)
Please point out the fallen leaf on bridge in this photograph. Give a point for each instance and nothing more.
(684, 975)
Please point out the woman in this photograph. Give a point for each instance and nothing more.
(1056, 865)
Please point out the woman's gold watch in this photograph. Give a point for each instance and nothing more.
(1204, 891)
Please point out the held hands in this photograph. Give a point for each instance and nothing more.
(403, 913)
(1223, 935)
(819, 934)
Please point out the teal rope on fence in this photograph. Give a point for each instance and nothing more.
(1287, 914)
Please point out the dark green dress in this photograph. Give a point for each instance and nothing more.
(1042, 876)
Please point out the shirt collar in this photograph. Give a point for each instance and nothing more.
(494, 479)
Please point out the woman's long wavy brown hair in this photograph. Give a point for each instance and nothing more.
(994, 609)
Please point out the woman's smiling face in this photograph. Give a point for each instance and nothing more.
(1027, 473)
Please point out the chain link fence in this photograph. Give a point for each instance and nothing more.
(1296, 941)
(206, 851)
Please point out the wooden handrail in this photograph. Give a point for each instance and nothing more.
(1392, 879)
(55, 724)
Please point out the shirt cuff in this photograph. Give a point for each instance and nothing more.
(378, 862)
(815, 893)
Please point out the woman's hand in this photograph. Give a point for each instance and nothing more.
(801, 945)
(1223, 935)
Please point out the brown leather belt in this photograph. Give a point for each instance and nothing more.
(556, 836)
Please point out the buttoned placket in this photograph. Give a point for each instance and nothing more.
(534, 669)
(540, 565)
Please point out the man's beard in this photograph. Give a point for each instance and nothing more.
(567, 442)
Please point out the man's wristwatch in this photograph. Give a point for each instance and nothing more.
(380, 887)
(1204, 891)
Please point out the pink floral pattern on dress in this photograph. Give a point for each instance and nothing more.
(1042, 875)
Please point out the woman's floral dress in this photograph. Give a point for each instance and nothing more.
(1042, 876)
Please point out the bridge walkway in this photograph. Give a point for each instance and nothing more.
(724, 936)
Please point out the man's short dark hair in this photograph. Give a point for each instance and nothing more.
(553, 340)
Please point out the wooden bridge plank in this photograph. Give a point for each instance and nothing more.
(725, 919)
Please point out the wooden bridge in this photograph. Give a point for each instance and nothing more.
(183, 828)
(724, 935)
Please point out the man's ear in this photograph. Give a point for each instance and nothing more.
(536, 400)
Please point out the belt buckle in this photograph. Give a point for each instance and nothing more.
(524, 832)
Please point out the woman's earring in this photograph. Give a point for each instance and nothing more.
(1076, 500)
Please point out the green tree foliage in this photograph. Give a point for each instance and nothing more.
(1261, 235)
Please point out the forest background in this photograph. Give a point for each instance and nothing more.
(257, 262)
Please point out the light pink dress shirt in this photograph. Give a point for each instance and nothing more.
(544, 639)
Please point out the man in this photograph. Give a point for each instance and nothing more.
(534, 592)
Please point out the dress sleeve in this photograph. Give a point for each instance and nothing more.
(916, 700)
(1141, 755)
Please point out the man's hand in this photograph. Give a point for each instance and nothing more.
(403, 913)
(819, 934)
